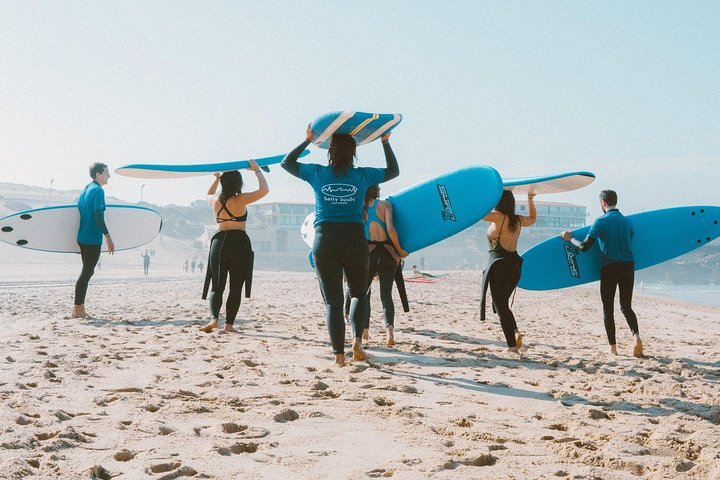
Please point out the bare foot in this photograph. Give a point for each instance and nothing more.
(366, 335)
(230, 329)
(358, 352)
(79, 312)
(390, 340)
(209, 327)
(518, 340)
(512, 349)
(340, 360)
(638, 350)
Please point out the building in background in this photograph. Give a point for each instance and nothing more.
(275, 228)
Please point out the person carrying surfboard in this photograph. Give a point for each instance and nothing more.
(230, 248)
(613, 232)
(91, 204)
(504, 264)
(339, 245)
(385, 253)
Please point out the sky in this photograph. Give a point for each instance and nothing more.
(627, 90)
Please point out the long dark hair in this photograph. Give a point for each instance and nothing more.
(372, 193)
(231, 183)
(341, 154)
(506, 205)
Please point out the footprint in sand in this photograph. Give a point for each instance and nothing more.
(124, 455)
(232, 427)
(164, 467)
(286, 416)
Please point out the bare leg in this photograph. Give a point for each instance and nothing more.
(230, 329)
(613, 349)
(518, 339)
(366, 334)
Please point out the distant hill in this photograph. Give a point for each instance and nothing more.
(181, 222)
(187, 223)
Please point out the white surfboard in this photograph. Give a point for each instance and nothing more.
(54, 229)
(307, 230)
(562, 182)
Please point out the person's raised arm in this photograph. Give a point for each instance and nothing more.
(392, 233)
(392, 169)
(290, 162)
(528, 220)
(262, 190)
(213, 189)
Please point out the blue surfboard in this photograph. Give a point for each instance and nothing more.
(364, 127)
(148, 170)
(562, 182)
(436, 209)
(54, 229)
(439, 208)
(659, 235)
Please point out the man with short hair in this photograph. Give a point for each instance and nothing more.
(91, 204)
(613, 232)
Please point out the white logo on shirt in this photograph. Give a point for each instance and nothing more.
(339, 190)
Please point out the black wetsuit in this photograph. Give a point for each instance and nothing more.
(231, 256)
(502, 276)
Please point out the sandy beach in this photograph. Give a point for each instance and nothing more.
(140, 392)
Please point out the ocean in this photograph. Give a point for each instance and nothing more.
(698, 294)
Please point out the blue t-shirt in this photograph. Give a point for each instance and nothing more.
(90, 201)
(613, 233)
(339, 199)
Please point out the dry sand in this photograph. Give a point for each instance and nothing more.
(139, 392)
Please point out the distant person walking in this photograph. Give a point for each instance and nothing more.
(146, 263)
(613, 232)
(91, 204)
(385, 253)
(231, 253)
(504, 264)
(340, 244)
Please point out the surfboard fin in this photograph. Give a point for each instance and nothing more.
(265, 168)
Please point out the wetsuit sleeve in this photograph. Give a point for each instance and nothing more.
(99, 210)
(290, 162)
(392, 170)
(100, 220)
(584, 245)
